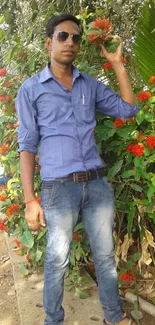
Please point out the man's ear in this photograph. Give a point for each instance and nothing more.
(48, 43)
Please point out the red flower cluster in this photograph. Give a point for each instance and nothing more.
(108, 65)
(136, 149)
(3, 227)
(3, 198)
(143, 96)
(13, 208)
(94, 38)
(17, 243)
(100, 25)
(150, 141)
(4, 149)
(127, 277)
(119, 122)
(20, 54)
(77, 237)
(7, 84)
(103, 24)
(152, 80)
(5, 98)
(3, 72)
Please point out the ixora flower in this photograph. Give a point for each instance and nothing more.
(119, 122)
(12, 209)
(94, 38)
(152, 80)
(136, 149)
(127, 277)
(3, 72)
(103, 24)
(108, 65)
(150, 141)
(3, 198)
(7, 84)
(143, 96)
(101, 27)
(4, 149)
(3, 227)
(5, 98)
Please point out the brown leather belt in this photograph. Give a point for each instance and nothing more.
(81, 177)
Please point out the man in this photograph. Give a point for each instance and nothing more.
(56, 109)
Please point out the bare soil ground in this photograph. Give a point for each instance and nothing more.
(9, 314)
(78, 311)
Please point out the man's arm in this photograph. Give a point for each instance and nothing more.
(126, 91)
(27, 163)
(28, 139)
(115, 59)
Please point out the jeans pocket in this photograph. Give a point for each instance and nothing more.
(47, 195)
(107, 184)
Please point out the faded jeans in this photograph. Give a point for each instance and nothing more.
(62, 203)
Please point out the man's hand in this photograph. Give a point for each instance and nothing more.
(34, 215)
(116, 57)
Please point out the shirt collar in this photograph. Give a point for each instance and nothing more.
(47, 74)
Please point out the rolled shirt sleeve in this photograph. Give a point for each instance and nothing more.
(110, 103)
(28, 131)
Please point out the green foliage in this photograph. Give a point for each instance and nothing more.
(145, 41)
(132, 176)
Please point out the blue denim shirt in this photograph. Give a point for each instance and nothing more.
(62, 122)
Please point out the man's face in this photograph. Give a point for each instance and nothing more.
(64, 51)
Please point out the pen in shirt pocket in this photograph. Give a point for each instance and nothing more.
(83, 99)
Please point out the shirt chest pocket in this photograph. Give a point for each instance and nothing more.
(87, 110)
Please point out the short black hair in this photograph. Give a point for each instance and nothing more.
(57, 19)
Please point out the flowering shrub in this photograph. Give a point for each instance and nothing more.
(126, 145)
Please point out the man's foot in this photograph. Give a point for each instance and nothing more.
(124, 321)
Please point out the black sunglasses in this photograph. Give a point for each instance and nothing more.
(62, 37)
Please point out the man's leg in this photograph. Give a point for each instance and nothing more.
(61, 204)
(98, 216)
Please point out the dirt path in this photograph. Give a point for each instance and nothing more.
(9, 314)
(29, 292)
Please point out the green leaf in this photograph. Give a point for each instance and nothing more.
(38, 255)
(138, 161)
(109, 124)
(130, 220)
(34, 5)
(27, 239)
(78, 253)
(111, 45)
(79, 226)
(127, 173)
(32, 64)
(136, 187)
(114, 170)
(152, 99)
(125, 131)
(24, 270)
(72, 258)
(135, 257)
(82, 294)
(140, 117)
(121, 206)
(68, 287)
(41, 234)
(150, 192)
(153, 180)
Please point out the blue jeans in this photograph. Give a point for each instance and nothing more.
(62, 203)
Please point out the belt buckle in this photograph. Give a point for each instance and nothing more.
(80, 177)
